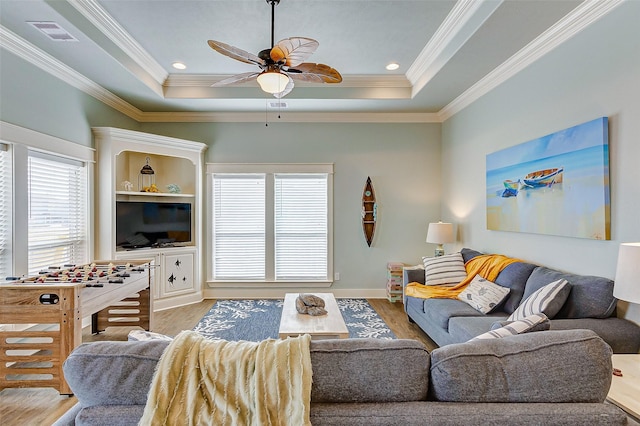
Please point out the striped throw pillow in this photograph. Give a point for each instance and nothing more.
(444, 270)
(517, 327)
(547, 300)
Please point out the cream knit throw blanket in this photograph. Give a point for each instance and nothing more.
(215, 382)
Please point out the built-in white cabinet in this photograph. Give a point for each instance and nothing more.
(152, 216)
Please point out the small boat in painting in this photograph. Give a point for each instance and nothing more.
(369, 211)
(543, 178)
(510, 188)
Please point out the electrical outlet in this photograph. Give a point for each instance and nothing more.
(336, 276)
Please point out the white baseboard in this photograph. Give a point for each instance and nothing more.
(176, 301)
(275, 293)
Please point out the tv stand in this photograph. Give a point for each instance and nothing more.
(177, 278)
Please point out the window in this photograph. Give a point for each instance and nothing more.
(5, 211)
(57, 211)
(271, 223)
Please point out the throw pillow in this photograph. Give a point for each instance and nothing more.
(524, 325)
(545, 325)
(444, 270)
(483, 295)
(142, 335)
(547, 300)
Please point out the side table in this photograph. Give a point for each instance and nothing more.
(625, 390)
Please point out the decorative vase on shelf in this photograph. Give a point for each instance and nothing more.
(174, 188)
(127, 186)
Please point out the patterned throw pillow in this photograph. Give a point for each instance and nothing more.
(530, 323)
(444, 270)
(483, 295)
(547, 300)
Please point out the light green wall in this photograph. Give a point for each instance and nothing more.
(403, 161)
(596, 73)
(34, 99)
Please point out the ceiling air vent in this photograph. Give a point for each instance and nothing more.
(280, 105)
(52, 30)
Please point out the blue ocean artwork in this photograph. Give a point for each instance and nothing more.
(557, 184)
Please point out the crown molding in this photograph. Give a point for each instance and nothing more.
(288, 117)
(576, 21)
(104, 22)
(460, 24)
(27, 51)
(377, 81)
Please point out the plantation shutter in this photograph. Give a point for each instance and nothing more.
(57, 211)
(301, 249)
(239, 234)
(5, 212)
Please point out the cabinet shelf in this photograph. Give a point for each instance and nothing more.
(154, 194)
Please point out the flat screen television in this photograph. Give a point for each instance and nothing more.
(152, 224)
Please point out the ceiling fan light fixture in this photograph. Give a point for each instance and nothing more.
(273, 81)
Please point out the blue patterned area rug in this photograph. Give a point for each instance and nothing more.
(256, 320)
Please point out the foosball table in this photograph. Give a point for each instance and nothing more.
(42, 316)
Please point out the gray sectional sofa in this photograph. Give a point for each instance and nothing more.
(590, 305)
(542, 378)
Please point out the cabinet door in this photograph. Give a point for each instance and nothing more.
(178, 274)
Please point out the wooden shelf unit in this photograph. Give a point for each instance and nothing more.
(120, 156)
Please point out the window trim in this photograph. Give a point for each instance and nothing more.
(269, 169)
(23, 141)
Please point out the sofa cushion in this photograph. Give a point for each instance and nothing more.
(369, 370)
(536, 322)
(439, 311)
(444, 270)
(462, 329)
(113, 373)
(547, 300)
(514, 277)
(549, 366)
(590, 297)
(483, 295)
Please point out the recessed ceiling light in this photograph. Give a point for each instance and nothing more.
(179, 66)
(392, 66)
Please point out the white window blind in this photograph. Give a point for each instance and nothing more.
(57, 212)
(5, 212)
(301, 226)
(239, 233)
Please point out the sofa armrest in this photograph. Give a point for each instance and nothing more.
(545, 366)
(113, 373)
(412, 274)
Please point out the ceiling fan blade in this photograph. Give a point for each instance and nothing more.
(288, 88)
(236, 79)
(235, 53)
(318, 73)
(293, 51)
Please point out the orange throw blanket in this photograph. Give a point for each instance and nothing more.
(488, 266)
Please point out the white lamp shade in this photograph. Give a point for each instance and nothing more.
(627, 281)
(440, 233)
(273, 81)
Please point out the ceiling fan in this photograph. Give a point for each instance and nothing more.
(280, 64)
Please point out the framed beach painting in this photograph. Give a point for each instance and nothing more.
(557, 184)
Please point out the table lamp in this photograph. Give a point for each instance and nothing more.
(627, 281)
(440, 233)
